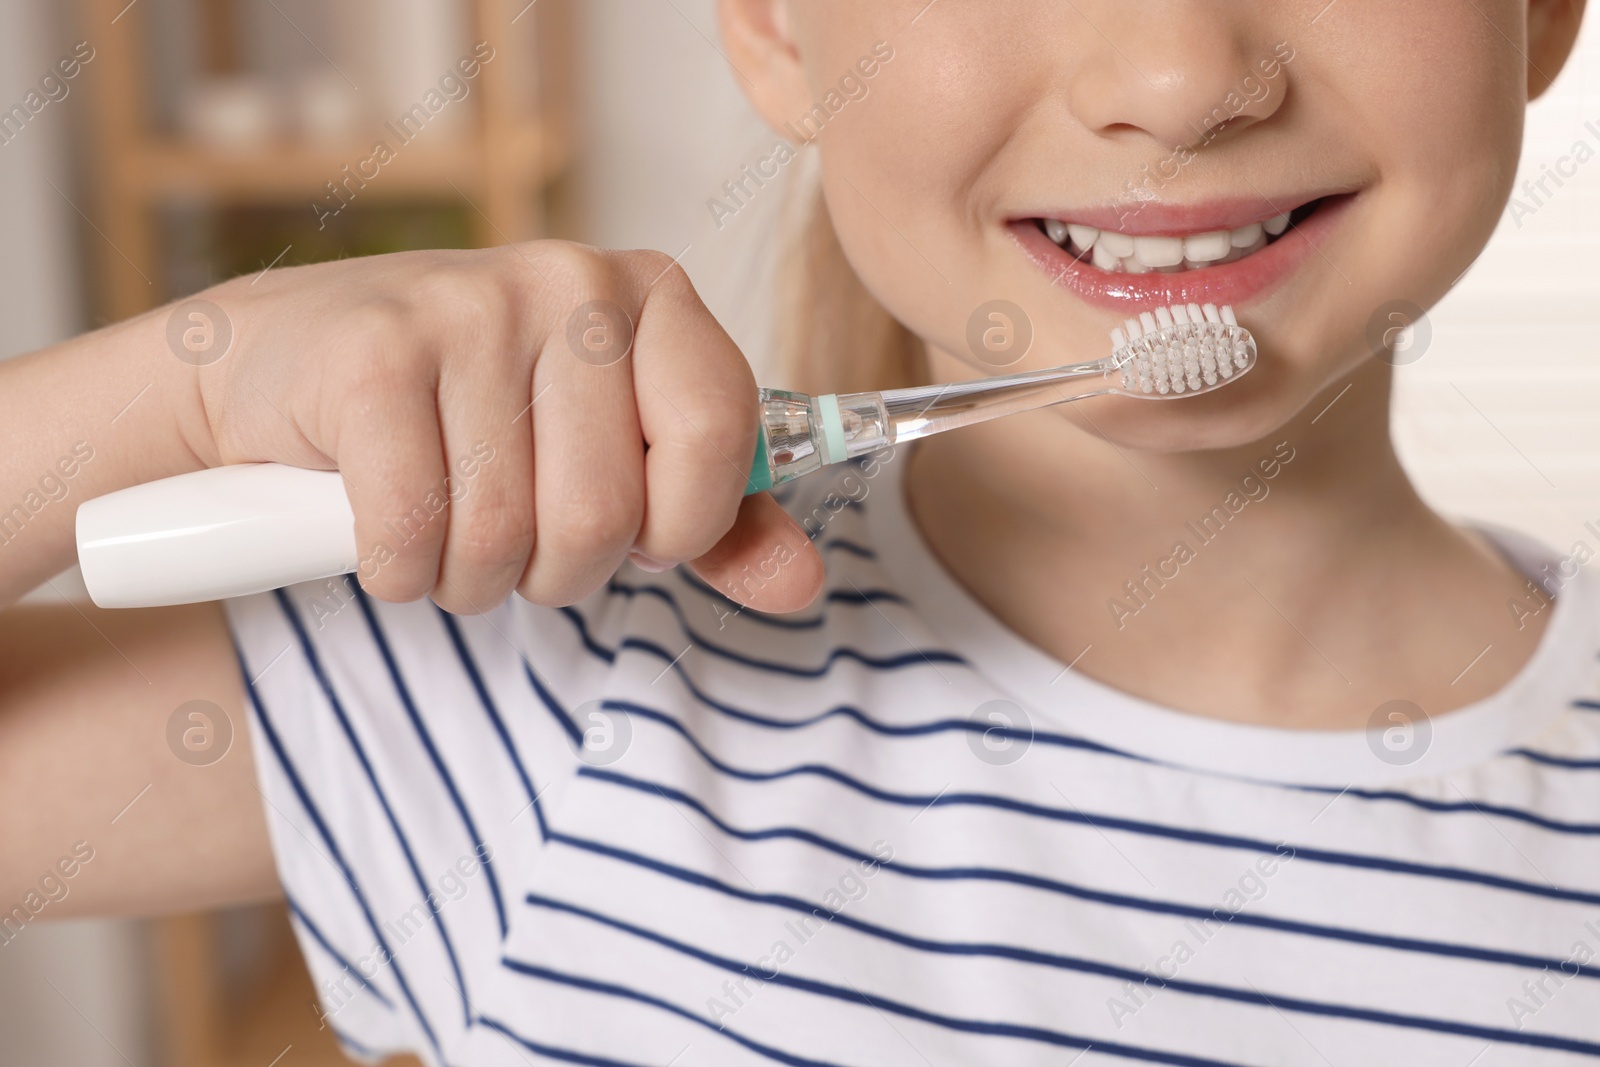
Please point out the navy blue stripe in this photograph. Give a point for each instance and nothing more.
(983, 1028)
(878, 726)
(851, 547)
(783, 622)
(1059, 961)
(725, 606)
(480, 844)
(553, 706)
(470, 667)
(314, 661)
(1481, 807)
(1565, 762)
(582, 625)
(1102, 822)
(1587, 705)
(1097, 896)
(592, 985)
(275, 743)
(338, 957)
(865, 596)
(883, 663)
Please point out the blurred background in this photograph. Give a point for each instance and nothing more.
(200, 139)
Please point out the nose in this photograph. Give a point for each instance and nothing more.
(1184, 72)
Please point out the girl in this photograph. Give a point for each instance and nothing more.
(1176, 732)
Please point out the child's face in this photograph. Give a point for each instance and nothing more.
(1390, 128)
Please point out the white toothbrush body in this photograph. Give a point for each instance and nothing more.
(213, 534)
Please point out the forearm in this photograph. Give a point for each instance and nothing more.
(91, 765)
(98, 413)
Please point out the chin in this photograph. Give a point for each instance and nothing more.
(1248, 412)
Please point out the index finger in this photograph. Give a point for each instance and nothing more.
(698, 411)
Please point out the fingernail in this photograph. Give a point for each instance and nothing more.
(645, 563)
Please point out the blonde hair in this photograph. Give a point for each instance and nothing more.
(832, 334)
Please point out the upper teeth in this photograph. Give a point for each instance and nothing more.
(1112, 251)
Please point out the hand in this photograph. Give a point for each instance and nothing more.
(495, 428)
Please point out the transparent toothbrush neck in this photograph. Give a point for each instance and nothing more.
(803, 433)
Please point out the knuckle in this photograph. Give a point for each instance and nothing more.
(375, 341)
(376, 327)
(400, 578)
(660, 268)
(457, 296)
(582, 272)
(520, 278)
(595, 525)
(493, 536)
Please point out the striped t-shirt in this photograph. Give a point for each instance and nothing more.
(653, 829)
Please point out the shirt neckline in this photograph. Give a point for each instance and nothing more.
(1562, 669)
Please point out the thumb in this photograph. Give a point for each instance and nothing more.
(765, 562)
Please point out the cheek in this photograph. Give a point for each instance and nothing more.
(905, 176)
(1436, 103)
(1441, 97)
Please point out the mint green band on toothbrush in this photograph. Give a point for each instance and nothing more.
(760, 479)
(834, 449)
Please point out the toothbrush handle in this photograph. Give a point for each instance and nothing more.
(215, 533)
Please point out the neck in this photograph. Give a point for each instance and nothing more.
(1295, 581)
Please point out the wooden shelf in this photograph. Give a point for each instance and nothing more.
(502, 153)
(169, 168)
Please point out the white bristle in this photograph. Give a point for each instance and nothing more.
(1181, 349)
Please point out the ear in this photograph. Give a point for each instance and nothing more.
(1552, 30)
(766, 58)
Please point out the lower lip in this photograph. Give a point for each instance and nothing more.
(1232, 283)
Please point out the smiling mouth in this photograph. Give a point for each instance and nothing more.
(1176, 253)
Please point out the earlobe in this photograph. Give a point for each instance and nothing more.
(760, 44)
(1552, 30)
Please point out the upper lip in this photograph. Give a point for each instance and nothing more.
(1155, 218)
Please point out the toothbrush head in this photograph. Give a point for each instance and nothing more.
(1182, 350)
